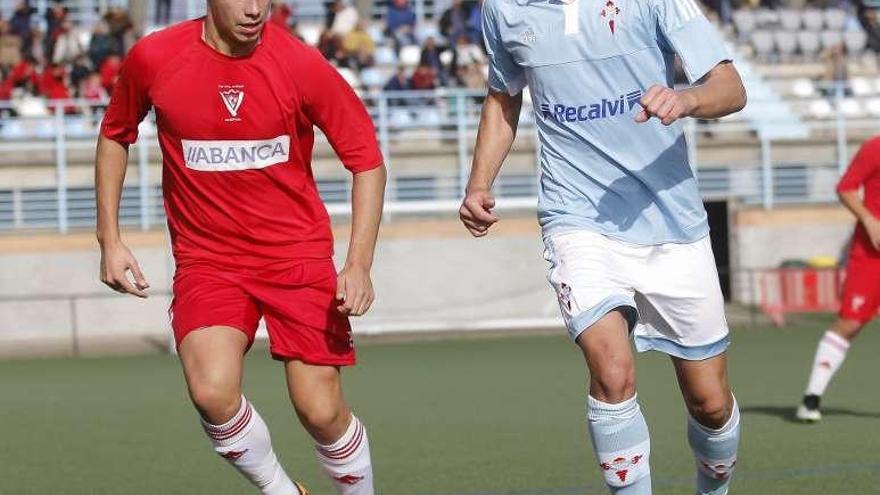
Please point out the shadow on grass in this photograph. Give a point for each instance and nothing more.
(787, 412)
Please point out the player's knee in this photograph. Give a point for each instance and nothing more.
(711, 410)
(324, 420)
(614, 382)
(216, 402)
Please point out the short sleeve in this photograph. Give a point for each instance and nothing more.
(692, 36)
(331, 105)
(505, 75)
(130, 100)
(863, 165)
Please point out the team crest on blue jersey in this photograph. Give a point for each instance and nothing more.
(609, 12)
(528, 36)
(232, 97)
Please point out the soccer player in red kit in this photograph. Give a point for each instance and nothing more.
(861, 289)
(236, 100)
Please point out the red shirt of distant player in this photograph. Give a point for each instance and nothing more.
(861, 292)
(236, 137)
(250, 234)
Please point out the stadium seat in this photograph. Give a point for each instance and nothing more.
(803, 88)
(372, 78)
(428, 117)
(311, 33)
(385, 56)
(835, 19)
(446, 57)
(350, 77)
(814, 19)
(821, 109)
(856, 41)
(830, 38)
(745, 21)
(763, 43)
(850, 108)
(873, 107)
(410, 55)
(808, 43)
(377, 33)
(767, 18)
(786, 43)
(427, 30)
(400, 117)
(861, 86)
(790, 19)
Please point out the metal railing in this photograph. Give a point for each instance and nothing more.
(426, 138)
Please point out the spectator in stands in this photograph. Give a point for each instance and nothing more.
(20, 22)
(281, 14)
(836, 70)
(401, 23)
(67, 44)
(23, 73)
(398, 82)
(345, 18)
(92, 89)
(423, 78)
(358, 47)
(121, 27)
(868, 14)
(10, 48)
(454, 21)
(431, 57)
(162, 12)
(475, 25)
(54, 83)
(109, 70)
(80, 69)
(467, 53)
(330, 46)
(36, 47)
(102, 44)
(55, 17)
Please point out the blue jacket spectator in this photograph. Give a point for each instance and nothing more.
(475, 24)
(401, 23)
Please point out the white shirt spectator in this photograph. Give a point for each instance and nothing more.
(468, 54)
(344, 21)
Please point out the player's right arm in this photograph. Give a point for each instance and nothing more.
(128, 107)
(498, 123)
(116, 259)
(863, 165)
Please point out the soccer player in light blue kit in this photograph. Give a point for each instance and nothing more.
(623, 224)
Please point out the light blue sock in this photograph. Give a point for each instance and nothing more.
(622, 445)
(715, 452)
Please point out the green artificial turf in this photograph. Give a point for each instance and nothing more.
(459, 417)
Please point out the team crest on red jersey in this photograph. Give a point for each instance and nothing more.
(232, 97)
(610, 12)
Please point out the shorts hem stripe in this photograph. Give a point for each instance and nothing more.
(585, 319)
(689, 353)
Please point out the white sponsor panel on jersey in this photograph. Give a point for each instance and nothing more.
(227, 156)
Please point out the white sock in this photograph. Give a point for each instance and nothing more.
(347, 461)
(829, 356)
(244, 442)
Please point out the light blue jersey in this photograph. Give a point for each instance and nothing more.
(587, 63)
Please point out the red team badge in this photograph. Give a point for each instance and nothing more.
(233, 455)
(349, 479)
(232, 97)
(621, 466)
(609, 12)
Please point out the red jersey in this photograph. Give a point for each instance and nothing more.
(236, 137)
(864, 172)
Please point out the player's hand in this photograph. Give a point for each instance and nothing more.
(116, 262)
(666, 104)
(354, 291)
(476, 212)
(872, 226)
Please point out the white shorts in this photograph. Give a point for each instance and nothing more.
(670, 293)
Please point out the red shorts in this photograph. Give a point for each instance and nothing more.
(861, 289)
(298, 303)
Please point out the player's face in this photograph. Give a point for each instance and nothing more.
(239, 20)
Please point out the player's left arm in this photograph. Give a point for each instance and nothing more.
(333, 107)
(717, 88)
(719, 93)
